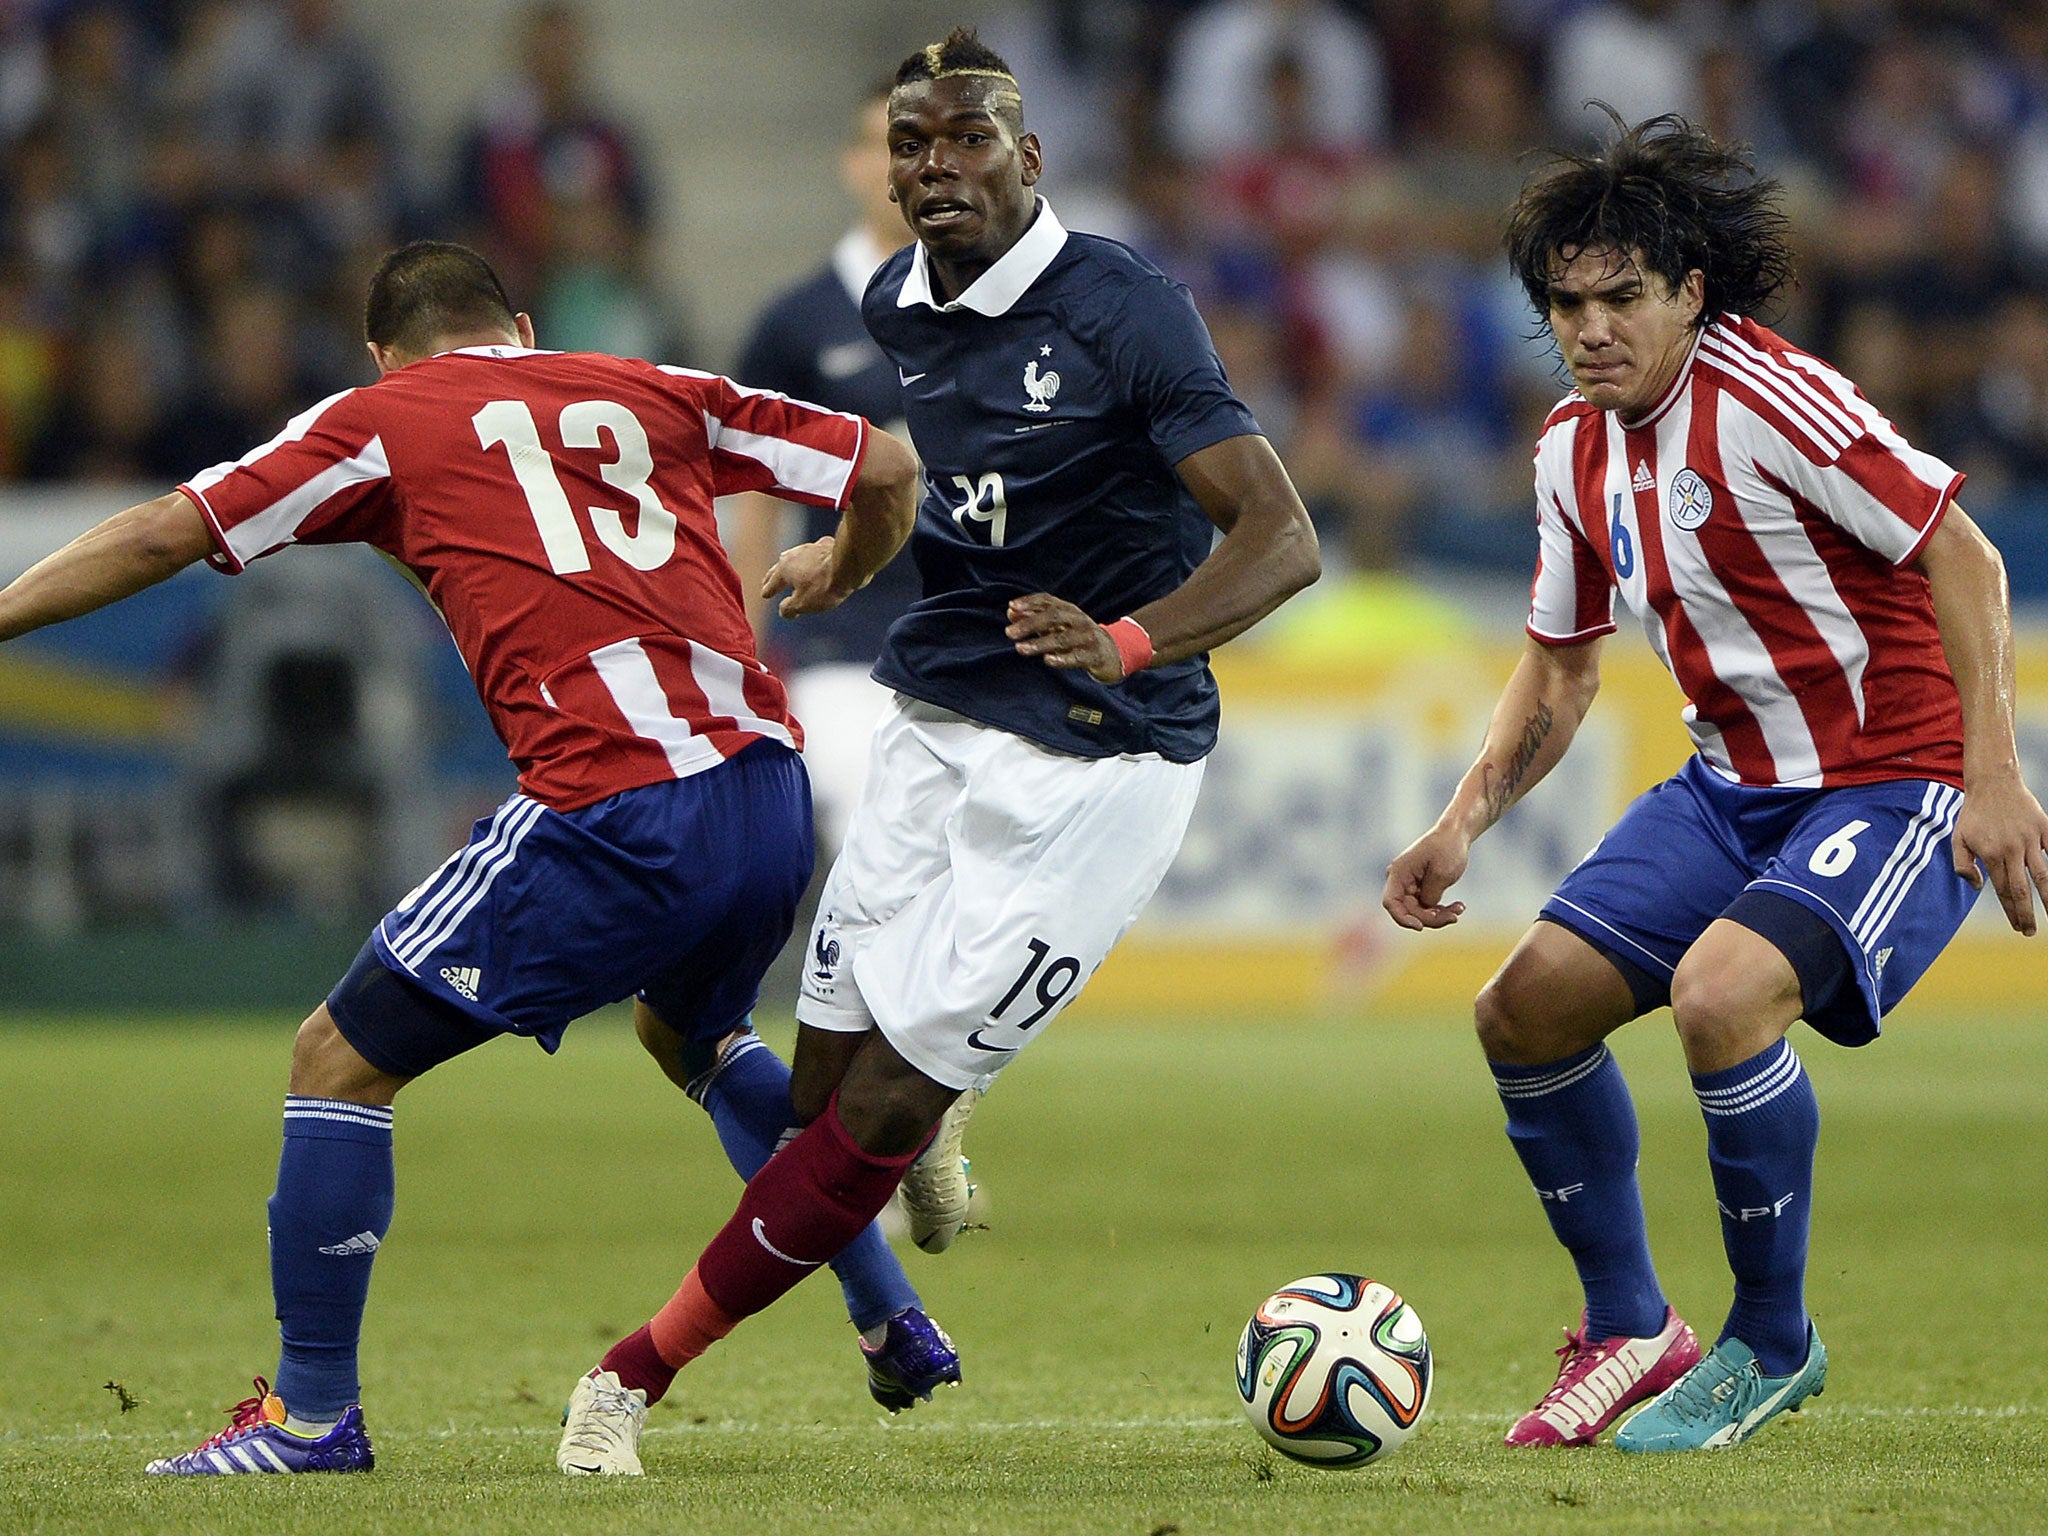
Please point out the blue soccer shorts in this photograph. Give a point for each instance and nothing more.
(1870, 861)
(681, 891)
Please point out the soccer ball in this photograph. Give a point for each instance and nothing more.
(1334, 1370)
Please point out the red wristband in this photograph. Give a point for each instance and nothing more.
(1133, 645)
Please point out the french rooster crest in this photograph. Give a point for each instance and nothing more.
(1041, 387)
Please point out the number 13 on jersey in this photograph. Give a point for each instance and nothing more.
(510, 423)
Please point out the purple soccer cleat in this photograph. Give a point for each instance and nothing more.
(914, 1357)
(257, 1441)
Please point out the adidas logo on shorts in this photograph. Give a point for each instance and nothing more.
(463, 978)
(361, 1243)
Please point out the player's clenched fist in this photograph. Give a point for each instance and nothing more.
(1419, 876)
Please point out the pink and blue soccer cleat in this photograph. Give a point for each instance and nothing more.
(1597, 1381)
(913, 1359)
(257, 1441)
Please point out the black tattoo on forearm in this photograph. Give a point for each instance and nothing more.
(1500, 788)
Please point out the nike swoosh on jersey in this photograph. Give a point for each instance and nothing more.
(908, 379)
(1040, 426)
(999, 1050)
(761, 1237)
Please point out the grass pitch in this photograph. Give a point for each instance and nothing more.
(1149, 1185)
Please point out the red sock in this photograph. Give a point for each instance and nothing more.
(813, 1198)
(637, 1363)
(690, 1323)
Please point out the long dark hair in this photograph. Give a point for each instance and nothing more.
(1668, 194)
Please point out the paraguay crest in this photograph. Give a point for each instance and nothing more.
(1692, 500)
(1040, 387)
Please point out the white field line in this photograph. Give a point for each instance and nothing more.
(940, 1427)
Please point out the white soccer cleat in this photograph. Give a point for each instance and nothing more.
(601, 1428)
(935, 1191)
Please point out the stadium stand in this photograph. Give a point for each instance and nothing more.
(190, 194)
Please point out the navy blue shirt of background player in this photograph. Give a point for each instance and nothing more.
(1050, 403)
(809, 343)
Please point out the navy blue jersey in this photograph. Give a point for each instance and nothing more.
(1050, 403)
(809, 343)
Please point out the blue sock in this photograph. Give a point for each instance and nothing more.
(746, 1093)
(331, 1210)
(1763, 1123)
(1574, 1126)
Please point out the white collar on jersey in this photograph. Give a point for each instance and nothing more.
(856, 258)
(496, 349)
(1003, 284)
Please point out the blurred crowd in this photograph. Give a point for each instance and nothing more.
(193, 191)
(193, 194)
(1331, 179)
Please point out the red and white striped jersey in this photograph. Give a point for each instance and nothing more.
(557, 509)
(1761, 522)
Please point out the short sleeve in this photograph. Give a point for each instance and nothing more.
(1879, 489)
(1162, 356)
(1571, 598)
(1810, 431)
(763, 441)
(323, 480)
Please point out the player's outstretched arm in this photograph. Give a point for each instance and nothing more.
(129, 551)
(1538, 714)
(1267, 554)
(882, 510)
(2002, 826)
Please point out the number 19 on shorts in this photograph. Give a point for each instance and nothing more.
(1044, 983)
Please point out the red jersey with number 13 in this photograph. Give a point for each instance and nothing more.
(557, 509)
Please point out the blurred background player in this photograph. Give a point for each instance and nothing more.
(810, 343)
(1054, 705)
(661, 835)
(1840, 629)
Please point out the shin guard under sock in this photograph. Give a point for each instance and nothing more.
(335, 1188)
(798, 1212)
(746, 1093)
(1763, 1123)
(1573, 1124)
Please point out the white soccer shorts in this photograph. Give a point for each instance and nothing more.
(840, 706)
(983, 880)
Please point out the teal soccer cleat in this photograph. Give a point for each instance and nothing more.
(1723, 1400)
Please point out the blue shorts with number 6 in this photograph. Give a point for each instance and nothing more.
(1872, 861)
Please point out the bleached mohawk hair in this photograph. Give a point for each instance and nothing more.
(963, 53)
